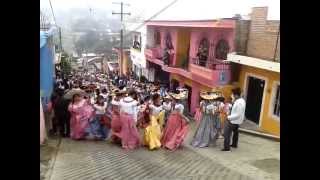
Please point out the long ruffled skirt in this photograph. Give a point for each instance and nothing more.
(115, 127)
(175, 132)
(96, 129)
(152, 133)
(207, 131)
(78, 127)
(129, 133)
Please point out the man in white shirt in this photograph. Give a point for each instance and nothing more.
(234, 120)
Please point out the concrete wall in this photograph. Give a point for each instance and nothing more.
(263, 36)
(269, 123)
(213, 35)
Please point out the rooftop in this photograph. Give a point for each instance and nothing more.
(254, 62)
(212, 23)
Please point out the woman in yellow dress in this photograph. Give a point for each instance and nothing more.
(152, 133)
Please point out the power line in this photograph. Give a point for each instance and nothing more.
(152, 17)
(54, 17)
(59, 28)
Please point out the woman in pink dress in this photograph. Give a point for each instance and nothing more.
(129, 133)
(177, 126)
(81, 113)
(115, 119)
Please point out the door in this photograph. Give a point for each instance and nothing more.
(254, 99)
(188, 107)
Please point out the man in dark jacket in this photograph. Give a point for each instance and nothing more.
(62, 115)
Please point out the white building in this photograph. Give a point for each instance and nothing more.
(139, 39)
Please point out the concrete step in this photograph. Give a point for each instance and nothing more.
(260, 134)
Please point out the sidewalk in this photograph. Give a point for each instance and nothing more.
(252, 129)
(256, 157)
(47, 154)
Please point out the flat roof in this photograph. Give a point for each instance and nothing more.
(254, 62)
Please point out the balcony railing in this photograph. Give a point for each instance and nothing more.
(157, 53)
(214, 64)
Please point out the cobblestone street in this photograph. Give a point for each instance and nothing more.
(256, 158)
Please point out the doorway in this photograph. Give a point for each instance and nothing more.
(174, 85)
(255, 89)
(189, 98)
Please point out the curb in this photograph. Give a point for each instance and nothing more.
(52, 162)
(260, 134)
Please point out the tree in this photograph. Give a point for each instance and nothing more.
(65, 64)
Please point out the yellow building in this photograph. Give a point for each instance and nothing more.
(259, 81)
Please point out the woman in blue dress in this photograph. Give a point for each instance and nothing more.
(207, 132)
(97, 126)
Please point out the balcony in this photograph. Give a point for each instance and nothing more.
(155, 55)
(213, 72)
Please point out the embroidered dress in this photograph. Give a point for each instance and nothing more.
(152, 133)
(129, 133)
(207, 130)
(81, 114)
(176, 129)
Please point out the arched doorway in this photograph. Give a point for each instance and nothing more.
(222, 50)
(203, 52)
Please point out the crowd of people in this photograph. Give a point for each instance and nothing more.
(134, 114)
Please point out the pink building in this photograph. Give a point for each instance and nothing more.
(191, 54)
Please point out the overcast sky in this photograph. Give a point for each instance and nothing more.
(181, 10)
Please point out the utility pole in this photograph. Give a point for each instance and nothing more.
(121, 33)
(60, 40)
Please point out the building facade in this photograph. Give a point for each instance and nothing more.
(125, 65)
(257, 61)
(191, 54)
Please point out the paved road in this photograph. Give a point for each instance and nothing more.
(89, 160)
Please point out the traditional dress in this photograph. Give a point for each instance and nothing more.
(152, 133)
(143, 116)
(167, 109)
(98, 128)
(207, 130)
(129, 133)
(81, 114)
(176, 129)
(115, 121)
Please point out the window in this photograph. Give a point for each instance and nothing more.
(168, 41)
(222, 49)
(157, 37)
(203, 52)
(276, 102)
(137, 42)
